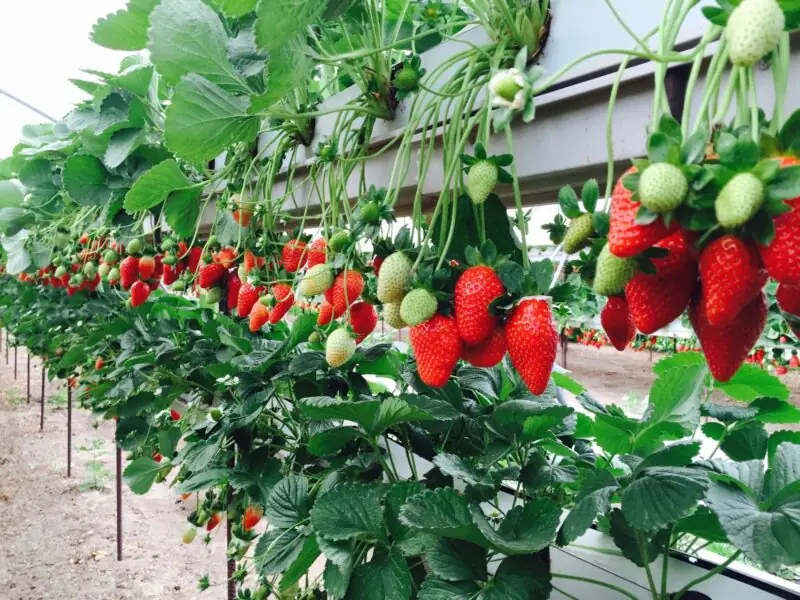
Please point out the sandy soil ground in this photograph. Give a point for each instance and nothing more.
(57, 541)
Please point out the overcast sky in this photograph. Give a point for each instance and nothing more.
(43, 43)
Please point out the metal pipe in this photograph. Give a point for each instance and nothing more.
(28, 354)
(41, 415)
(15, 362)
(69, 429)
(119, 501)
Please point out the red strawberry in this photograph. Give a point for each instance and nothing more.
(172, 272)
(731, 275)
(252, 516)
(682, 253)
(626, 238)
(128, 272)
(147, 265)
(655, 302)
(174, 415)
(213, 522)
(259, 315)
(248, 261)
(210, 275)
(248, 295)
(347, 288)
(532, 342)
(475, 290)
(782, 256)
(317, 254)
(489, 352)
(781, 370)
(326, 313)
(98, 364)
(140, 291)
(617, 322)
(363, 319)
(153, 284)
(157, 456)
(794, 362)
(726, 347)
(226, 257)
(242, 216)
(293, 255)
(284, 302)
(193, 259)
(377, 261)
(234, 285)
(788, 297)
(437, 346)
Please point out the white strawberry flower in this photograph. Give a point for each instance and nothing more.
(508, 89)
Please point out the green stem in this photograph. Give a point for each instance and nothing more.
(754, 125)
(665, 564)
(518, 199)
(604, 584)
(718, 569)
(694, 75)
(727, 97)
(642, 543)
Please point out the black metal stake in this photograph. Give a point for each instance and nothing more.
(15, 363)
(41, 412)
(119, 502)
(28, 354)
(6, 349)
(231, 564)
(69, 429)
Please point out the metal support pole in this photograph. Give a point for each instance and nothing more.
(69, 430)
(28, 354)
(6, 349)
(41, 415)
(119, 502)
(15, 362)
(231, 564)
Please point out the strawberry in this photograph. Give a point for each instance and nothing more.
(248, 261)
(128, 271)
(140, 291)
(259, 315)
(363, 319)
(731, 275)
(225, 257)
(788, 297)
(391, 315)
(726, 347)
(437, 347)
(98, 364)
(243, 216)
(754, 29)
(626, 238)
(794, 362)
(739, 200)
(377, 261)
(612, 273)
(578, 233)
(315, 281)
(189, 535)
(662, 187)
(172, 272)
(339, 241)
(174, 415)
(655, 301)
(532, 342)
(248, 296)
(481, 180)
(347, 288)
(293, 255)
(782, 256)
(234, 285)
(394, 275)
(210, 274)
(487, 353)
(147, 266)
(213, 522)
(418, 306)
(340, 347)
(475, 290)
(326, 314)
(193, 259)
(682, 253)
(252, 516)
(617, 322)
(284, 302)
(317, 252)
(781, 370)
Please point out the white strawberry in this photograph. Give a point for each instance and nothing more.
(754, 30)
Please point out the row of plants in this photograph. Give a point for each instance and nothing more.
(256, 326)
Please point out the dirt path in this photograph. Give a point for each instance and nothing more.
(57, 541)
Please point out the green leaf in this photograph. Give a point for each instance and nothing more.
(773, 410)
(728, 413)
(85, 179)
(280, 21)
(202, 480)
(779, 437)
(288, 502)
(525, 529)
(499, 228)
(512, 415)
(141, 474)
(770, 538)
(187, 36)
(277, 549)
(125, 29)
(519, 578)
(704, 524)
(789, 136)
(203, 119)
(442, 512)
(350, 511)
(590, 194)
(182, 211)
(583, 514)
(567, 383)
(784, 470)
(300, 566)
(287, 67)
(394, 411)
(662, 495)
(746, 442)
(627, 541)
(396, 497)
(676, 394)
(436, 589)
(737, 154)
(152, 188)
(385, 577)
(459, 468)
(568, 201)
(454, 560)
(749, 474)
(11, 195)
(539, 473)
(716, 15)
(122, 144)
(614, 434)
(331, 441)
(785, 185)
(751, 382)
(679, 454)
(236, 8)
(136, 79)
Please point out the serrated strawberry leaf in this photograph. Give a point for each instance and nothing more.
(504, 176)
(590, 194)
(789, 136)
(737, 154)
(568, 201)
(513, 277)
(694, 149)
(671, 128)
(503, 160)
(600, 223)
(468, 160)
(785, 185)
(716, 15)
(658, 147)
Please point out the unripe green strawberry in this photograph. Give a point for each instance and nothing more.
(395, 271)
(110, 257)
(316, 280)
(339, 348)
(134, 246)
(313, 337)
(578, 232)
(418, 306)
(612, 273)
(113, 275)
(739, 200)
(213, 295)
(103, 270)
(481, 181)
(391, 315)
(61, 271)
(370, 213)
(189, 535)
(754, 30)
(339, 241)
(662, 187)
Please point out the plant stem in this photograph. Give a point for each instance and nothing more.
(665, 564)
(642, 543)
(518, 199)
(754, 128)
(718, 569)
(610, 586)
